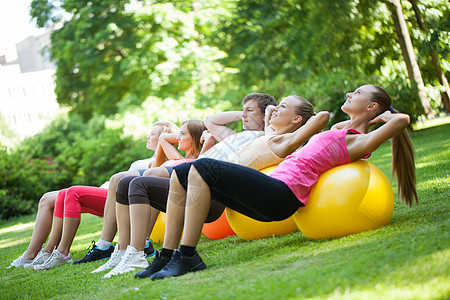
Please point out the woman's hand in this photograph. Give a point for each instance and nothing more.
(205, 136)
(384, 117)
(269, 110)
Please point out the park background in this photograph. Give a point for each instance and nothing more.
(121, 65)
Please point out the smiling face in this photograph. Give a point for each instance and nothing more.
(252, 116)
(184, 139)
(153, 137)
(284, 114)
(359, 101)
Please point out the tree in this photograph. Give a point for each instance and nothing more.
(434, 55)
(107, 52)
(315, 48)
(408, 53)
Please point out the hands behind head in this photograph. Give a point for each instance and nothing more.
(205, 136)
(269, 110)
(384, 117)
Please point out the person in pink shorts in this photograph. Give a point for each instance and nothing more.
(66, 206)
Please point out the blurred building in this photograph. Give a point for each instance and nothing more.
(32, 54)
(27, 97)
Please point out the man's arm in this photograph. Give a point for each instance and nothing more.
(216, 124)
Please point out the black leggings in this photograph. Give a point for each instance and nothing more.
(243, 189)
(154, 191)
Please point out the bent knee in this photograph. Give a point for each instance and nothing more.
(48, 200)
(116, 177)
(157, 172)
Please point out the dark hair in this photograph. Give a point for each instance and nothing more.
(195, 129)
(263, 100)
(402, 152)
(305, 109)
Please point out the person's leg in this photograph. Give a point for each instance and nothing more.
(123, 212)
(161, 172)
(43, 224)
(143, 192)
(109, 228)
(104, 247)
(57, 224)
(79, 198)
(198, 200)
(176, 206)
(154, 213)
(174, 225)
(176, 210)
(50, 253)
(123, 226)
(245, 190)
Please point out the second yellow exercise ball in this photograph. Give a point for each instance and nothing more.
(347, 199)
(251, 229)
(159, 229)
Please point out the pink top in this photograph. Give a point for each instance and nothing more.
(176, 162)
(301, 170)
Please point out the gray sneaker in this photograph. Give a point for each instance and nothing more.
(40, 258)
(19, 262)
(55, 260)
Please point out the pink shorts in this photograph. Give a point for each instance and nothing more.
(71, 202)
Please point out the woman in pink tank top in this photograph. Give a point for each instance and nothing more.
(276, 197)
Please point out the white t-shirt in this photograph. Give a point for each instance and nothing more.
(141, 164)
(228, 146)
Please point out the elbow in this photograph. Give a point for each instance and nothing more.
(209, 122)
(324, 118)
(405, 119)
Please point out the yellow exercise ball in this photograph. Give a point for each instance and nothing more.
(347, 199)
(251, 229)
(159, 229)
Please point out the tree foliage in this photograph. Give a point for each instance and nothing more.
(108, 51)
(117, 53)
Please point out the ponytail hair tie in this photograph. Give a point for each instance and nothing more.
(391, 109)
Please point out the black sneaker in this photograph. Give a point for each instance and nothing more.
(180, 265)
(95, 254)
(157, 264)
(149, 250)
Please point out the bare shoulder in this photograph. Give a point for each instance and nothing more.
(339, 125)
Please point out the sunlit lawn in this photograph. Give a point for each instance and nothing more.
(407, 259)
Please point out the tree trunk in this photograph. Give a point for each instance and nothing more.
(408, 54)
(434, 57)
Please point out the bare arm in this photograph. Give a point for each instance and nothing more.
(360, 144)
(160, 157)
(268, 129)
(207, 140)
(167, 142)
(285, 144)
(216, 124)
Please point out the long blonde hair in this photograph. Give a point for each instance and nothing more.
(402, 152)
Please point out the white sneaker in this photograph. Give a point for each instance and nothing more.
(131, 260)
(40, 258)
(19, 262)
(55, 260)
(115, 259)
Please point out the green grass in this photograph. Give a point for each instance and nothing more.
(407, 259)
